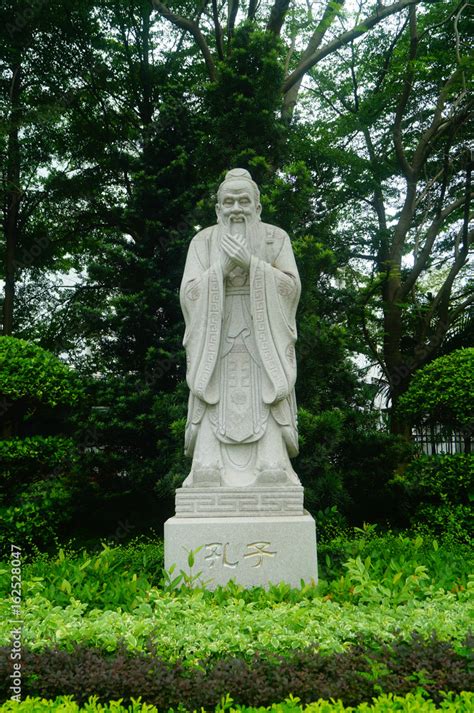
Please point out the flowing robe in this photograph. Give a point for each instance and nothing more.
(241, 367)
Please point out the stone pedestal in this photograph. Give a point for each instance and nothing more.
(252, 550)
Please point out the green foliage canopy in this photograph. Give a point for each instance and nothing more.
(443, 392)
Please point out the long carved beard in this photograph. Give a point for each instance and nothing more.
(247, 229)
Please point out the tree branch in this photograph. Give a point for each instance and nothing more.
(442, 298)
(330, 12)
(454, 314)
(378, 202)
(233, 10)
(431, 235)
(447, 319)
(346, 37)
(388, 57)
(467, 197)
(193, 28)
(368, 338)
(405, 95)
(217, 30)
(437, 125)
(277, 16)
(253, 7)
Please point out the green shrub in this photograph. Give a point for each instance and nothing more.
(115, 576)
(319, 437)
(330, 523)
(454, 523)
(435, 493)
(439, 479)
(37, 489)
(103, 580)
(447, 564)
(368, 463)
(195, 624)
(38, 512)
(144, 556)
(34, 458)
(443, 392)
(29, 372)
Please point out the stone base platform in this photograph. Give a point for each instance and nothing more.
(253, 551)
(265, 501)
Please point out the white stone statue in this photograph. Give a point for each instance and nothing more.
(239, 295)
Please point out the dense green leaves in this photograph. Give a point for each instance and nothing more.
(31, 373)
(386, 703)
(436, 493)
(36, 463)
(443, 392)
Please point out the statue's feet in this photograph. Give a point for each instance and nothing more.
(205, 476)
(272, 475)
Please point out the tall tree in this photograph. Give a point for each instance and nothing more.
(37, 69)
(403, 126)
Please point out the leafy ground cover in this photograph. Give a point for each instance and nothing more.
(193, 626)
(367, 568)
(373, 588)
(412, 703)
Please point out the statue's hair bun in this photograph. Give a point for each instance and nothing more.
(238, 173)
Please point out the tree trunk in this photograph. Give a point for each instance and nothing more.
(399, 425)
(399, 371)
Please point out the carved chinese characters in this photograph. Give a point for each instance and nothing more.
(218, 554)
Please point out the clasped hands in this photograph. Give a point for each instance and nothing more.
(234, 253)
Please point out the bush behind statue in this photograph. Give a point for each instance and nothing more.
(37, 459)
(436, 493)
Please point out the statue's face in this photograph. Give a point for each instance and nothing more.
(237, 203)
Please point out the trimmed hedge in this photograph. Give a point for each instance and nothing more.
(464, 703)
(353, 676)
(439, 479)
(442, 392)
(29, 372)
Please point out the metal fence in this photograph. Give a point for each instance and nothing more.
(435, 440)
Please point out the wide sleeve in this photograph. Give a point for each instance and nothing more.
(275, 292)
(201, 297)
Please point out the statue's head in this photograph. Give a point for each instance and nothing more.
(238, 198)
